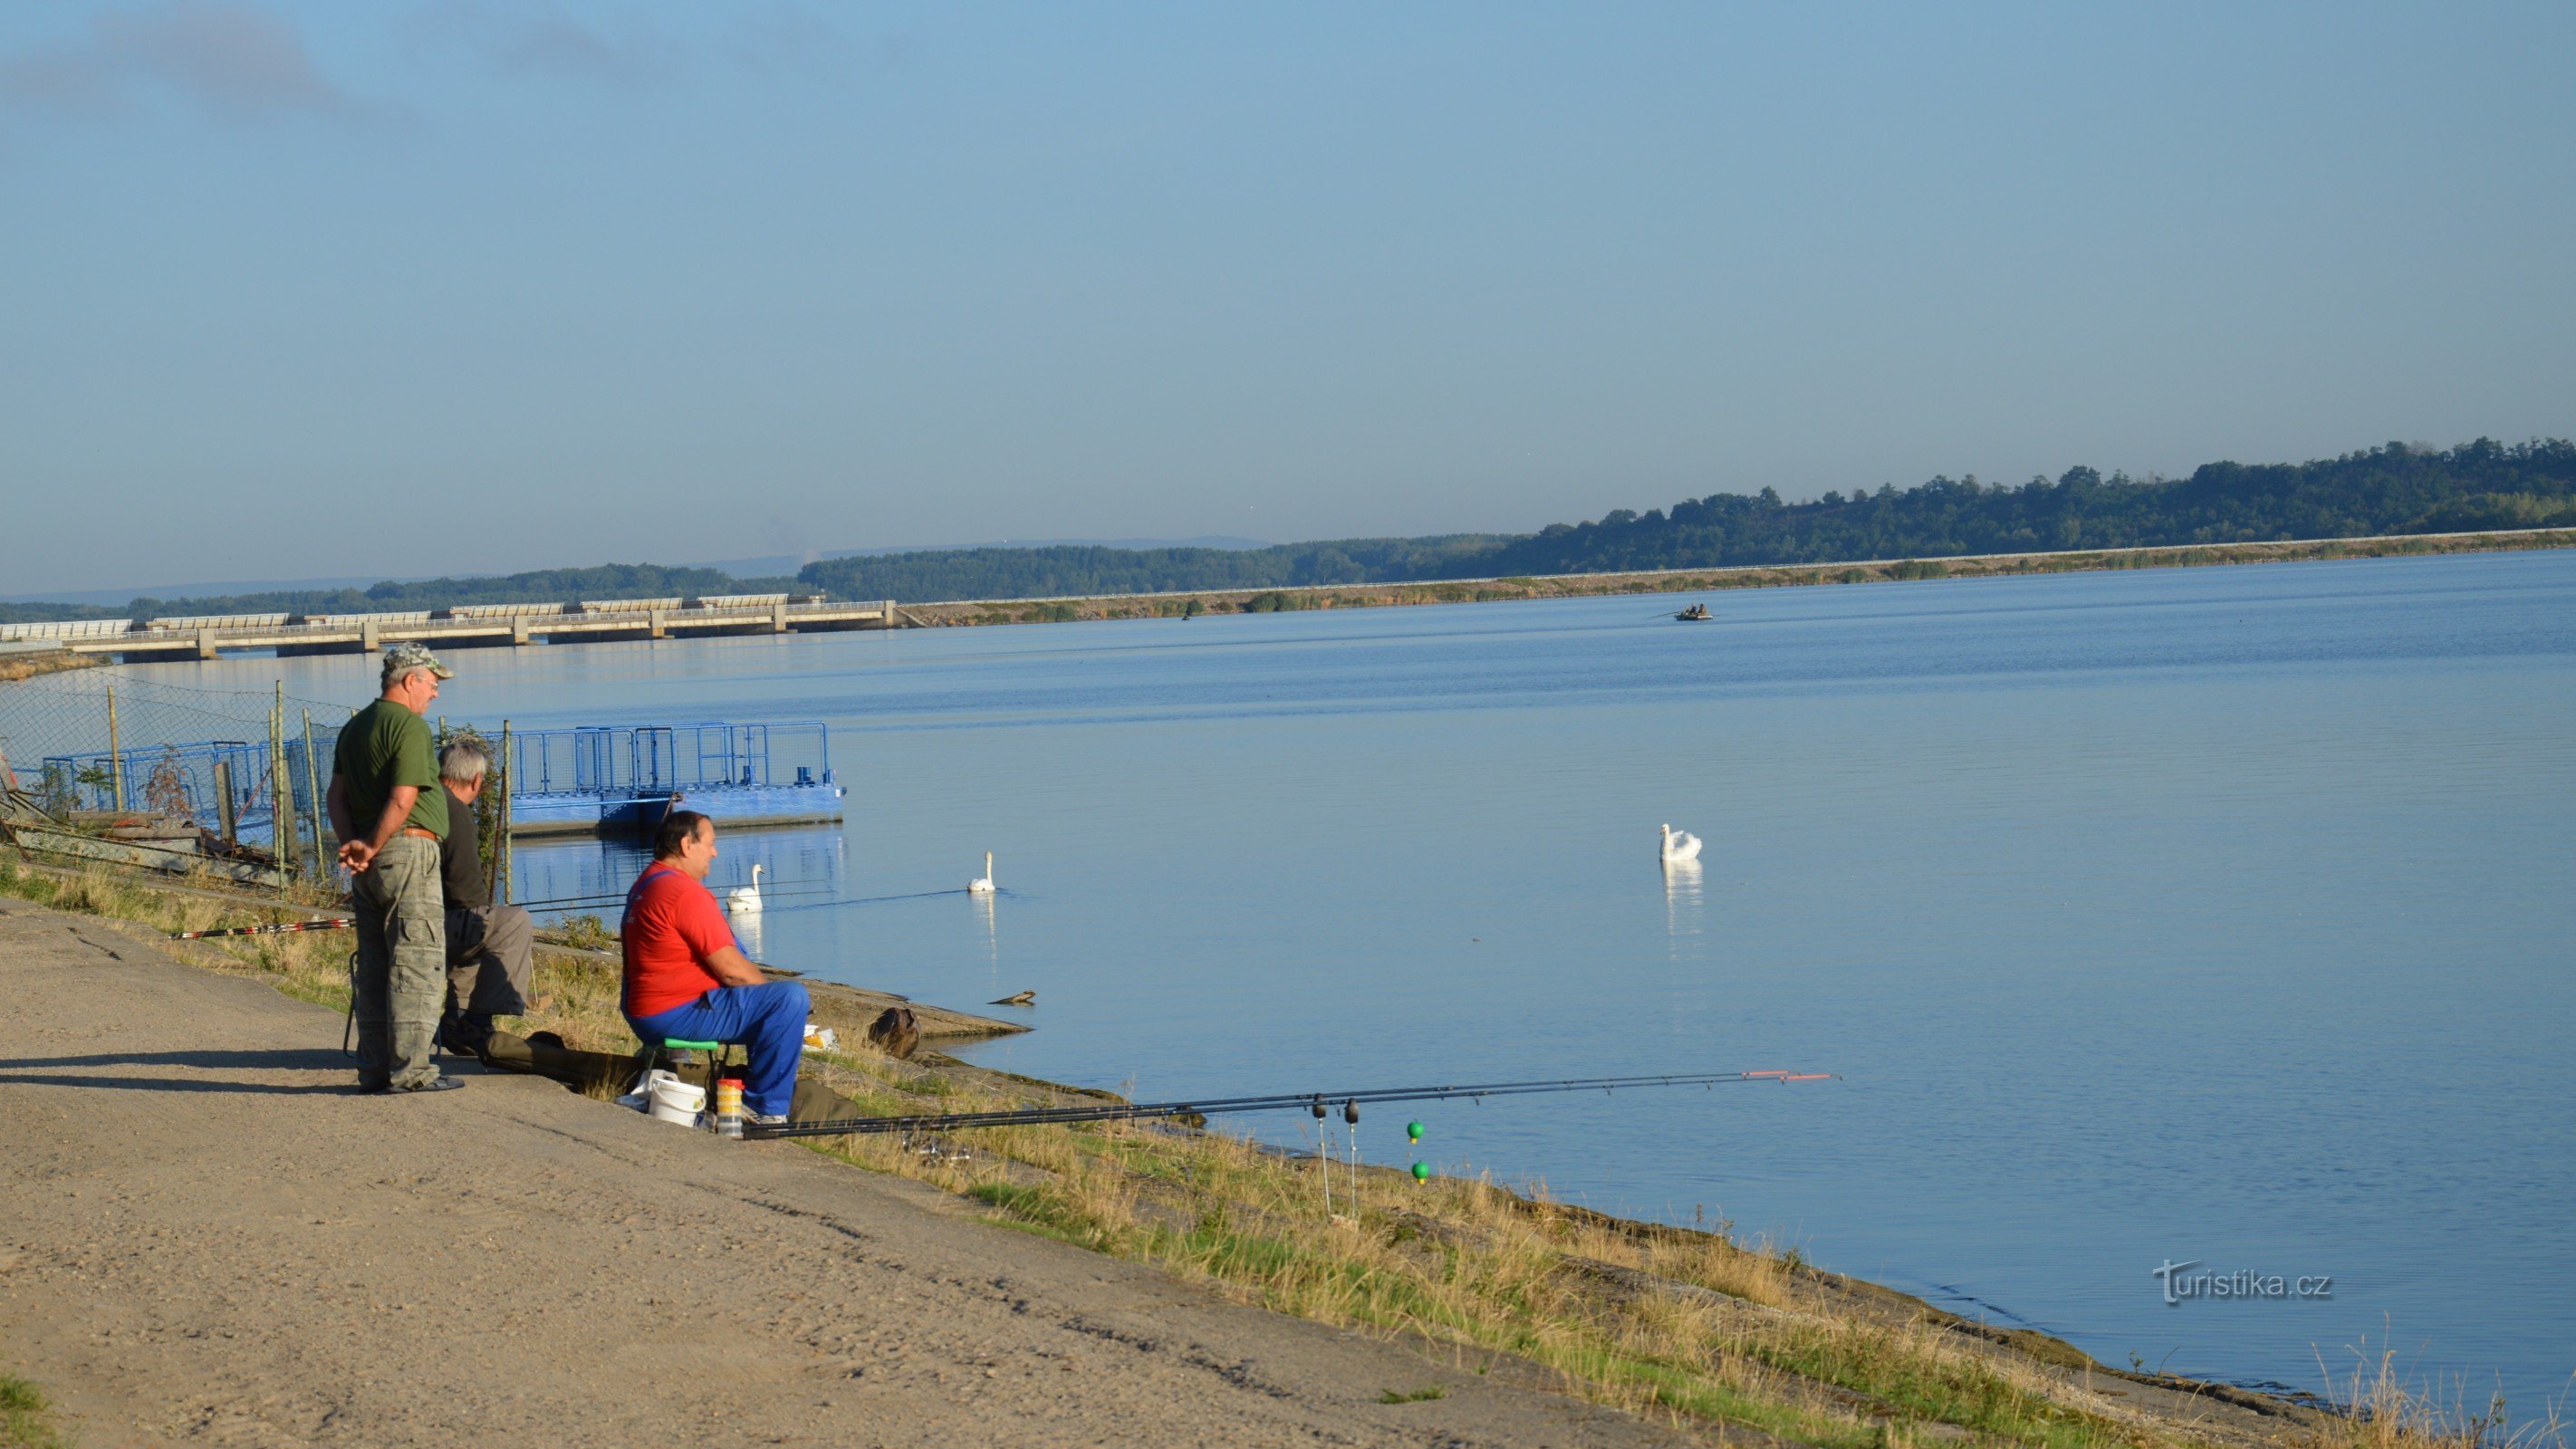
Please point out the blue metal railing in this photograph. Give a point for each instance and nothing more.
(182, 780)
(659, 759)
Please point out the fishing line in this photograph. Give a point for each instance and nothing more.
(1277, 1102)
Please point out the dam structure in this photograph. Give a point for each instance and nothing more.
(208, 636)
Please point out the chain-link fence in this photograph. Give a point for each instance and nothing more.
(102, 741)
(102, 748)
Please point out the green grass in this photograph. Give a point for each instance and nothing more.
(26, 1419)
(1414, 1396)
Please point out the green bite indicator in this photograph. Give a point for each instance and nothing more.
(1412, 1131)
(1422, 1172)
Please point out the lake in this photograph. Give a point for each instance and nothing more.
(2213, 916)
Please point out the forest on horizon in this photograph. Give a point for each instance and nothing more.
(2394, 489)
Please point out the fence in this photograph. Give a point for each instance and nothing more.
(105, 740)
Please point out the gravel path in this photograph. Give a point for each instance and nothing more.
(206, 1238)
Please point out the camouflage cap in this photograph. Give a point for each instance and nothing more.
(403, 658)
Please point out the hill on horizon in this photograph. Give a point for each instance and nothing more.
(2396, 488)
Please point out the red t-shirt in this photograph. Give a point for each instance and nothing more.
(672, 925)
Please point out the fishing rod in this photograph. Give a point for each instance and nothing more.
(1275, 1102)
(335, 923)
(610, 898)
(817, 899)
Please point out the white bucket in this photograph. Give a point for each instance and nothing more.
(676, 1101)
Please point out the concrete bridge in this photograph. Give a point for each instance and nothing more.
(473, 626)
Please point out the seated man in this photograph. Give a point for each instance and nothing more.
(686, 978)
(489, 948)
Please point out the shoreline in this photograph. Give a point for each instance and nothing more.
(1801, 1355)
(1072, 608)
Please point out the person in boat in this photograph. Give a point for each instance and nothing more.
(490, 948)
(686, 978)
(1695, 611)
(390, 816)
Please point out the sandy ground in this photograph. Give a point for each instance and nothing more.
(206, 1237)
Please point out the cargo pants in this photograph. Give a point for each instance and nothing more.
(402, 964)
(491, 953)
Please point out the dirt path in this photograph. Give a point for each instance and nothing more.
(206, 1238)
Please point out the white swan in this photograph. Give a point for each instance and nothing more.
(745, 900)
(983, 886)
(1680, 845)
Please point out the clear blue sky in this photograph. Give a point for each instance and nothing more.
(302, 290)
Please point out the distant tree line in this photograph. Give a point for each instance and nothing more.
(2393, 489)
(1084, 570)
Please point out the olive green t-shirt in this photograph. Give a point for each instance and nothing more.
(382, 746)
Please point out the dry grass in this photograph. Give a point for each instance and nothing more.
(1687, 1326)
(2384, 1410)
(573, 996)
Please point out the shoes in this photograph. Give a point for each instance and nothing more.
(434, 1084)
(765, 1119)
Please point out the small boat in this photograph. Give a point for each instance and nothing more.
(1695, 614)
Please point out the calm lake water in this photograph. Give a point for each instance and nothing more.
(2217, 916)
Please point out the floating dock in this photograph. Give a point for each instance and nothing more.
(622, 779)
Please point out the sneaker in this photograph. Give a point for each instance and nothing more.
(434, 1084)
(765, 1119)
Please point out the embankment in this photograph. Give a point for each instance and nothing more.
(200, 1231)
(1666, 581)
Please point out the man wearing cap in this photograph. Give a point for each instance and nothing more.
(391, 815)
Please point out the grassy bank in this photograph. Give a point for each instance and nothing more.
(1568, 586)
(14, 667)
(1734, 1341)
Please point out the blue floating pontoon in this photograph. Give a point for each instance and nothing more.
(624, 778)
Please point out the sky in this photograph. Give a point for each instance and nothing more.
(366, 290)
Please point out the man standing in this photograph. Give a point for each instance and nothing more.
(686, 978)
(391, 816)
(489, 947)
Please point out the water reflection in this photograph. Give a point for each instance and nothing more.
(1683, 903)
(588, 875)
(747, 933)
(985, 913)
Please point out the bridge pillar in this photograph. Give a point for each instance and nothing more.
(778, 617)
(368, 643)
(518, 631)
(660, 625)
(205, 643)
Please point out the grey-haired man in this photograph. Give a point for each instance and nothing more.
(490, 949)
(391, 815)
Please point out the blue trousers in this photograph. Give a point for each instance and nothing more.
(768, 1020)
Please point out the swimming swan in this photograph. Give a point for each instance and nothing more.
(984, 885)
(1680, 845)
(745, 900)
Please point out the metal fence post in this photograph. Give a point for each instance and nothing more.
(509, 787)
(115, 756)
(282, 835)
